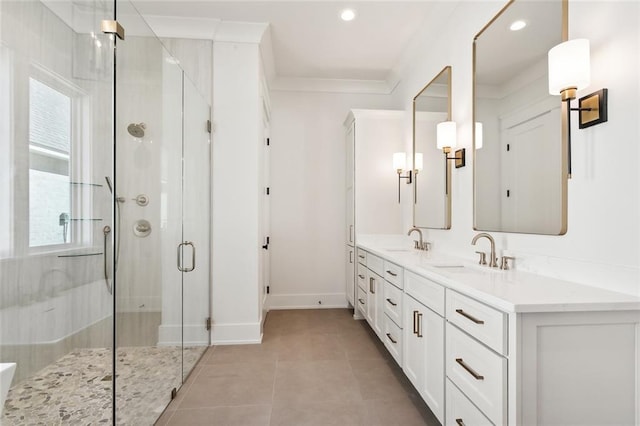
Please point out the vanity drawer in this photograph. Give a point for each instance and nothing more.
(362, 277)
(393, 339)
(393, 303)
(479, 373)
(376, 264)
(460, 411)
(425, 291)
(393, 273)
(479, 320)
(362, 301)
(362, 257)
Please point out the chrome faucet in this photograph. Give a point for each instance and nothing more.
(420, 245)
(493, 260)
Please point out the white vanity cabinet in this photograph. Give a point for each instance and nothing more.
(424, 329)
(508, 348)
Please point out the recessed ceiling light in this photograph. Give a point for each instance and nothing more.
(518, 25)
(348, 15)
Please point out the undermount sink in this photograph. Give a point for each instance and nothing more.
(448, 266)
(404, 250)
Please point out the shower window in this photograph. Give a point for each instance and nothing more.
(55, 117)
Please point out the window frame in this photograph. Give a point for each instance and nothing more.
(79, 163)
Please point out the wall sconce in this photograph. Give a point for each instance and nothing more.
(478, 136)
(399, 164)
(446, 138)
(570, 71)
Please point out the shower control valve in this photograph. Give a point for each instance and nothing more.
(141, 200)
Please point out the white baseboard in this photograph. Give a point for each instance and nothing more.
(307, 301)
(172, 335)
(236, 334)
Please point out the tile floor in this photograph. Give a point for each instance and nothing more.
(314, 367)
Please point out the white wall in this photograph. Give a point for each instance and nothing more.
(308, 187)
(601, 247)
(236, 191)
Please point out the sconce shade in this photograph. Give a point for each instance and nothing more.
(446, 134)
(479, 136)
(569, 66)
(419, 161)
(399, 161)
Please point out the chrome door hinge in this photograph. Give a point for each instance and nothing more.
(112, 27)
(207, 323)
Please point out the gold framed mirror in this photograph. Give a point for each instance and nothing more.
(520, 147)
(432, 184)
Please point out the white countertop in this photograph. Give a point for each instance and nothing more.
(510, 291)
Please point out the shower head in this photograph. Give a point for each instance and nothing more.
(136, 130)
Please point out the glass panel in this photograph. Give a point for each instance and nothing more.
(56, 322)
(149, 189)
(196, 218)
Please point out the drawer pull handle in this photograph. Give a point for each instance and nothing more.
(469, 369)
(469, 317)
(391, 302)
(391, 338)
(415, 313)
(361, 276)
(391, 273)
(372, 285)
(419, 333)
(361, 256)
(361, 301)
(460, 422)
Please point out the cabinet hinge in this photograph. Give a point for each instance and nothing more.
(209, 126)
(207, 323)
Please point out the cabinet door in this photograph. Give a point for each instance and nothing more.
(424, 353)
(431, 326)
(350, 274)
(374, 302)
(413, 351)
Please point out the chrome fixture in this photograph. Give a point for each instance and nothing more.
(106, 231)
(570, 71)
(136, 130)
(419, 245)
(504, 262)
(493, 260)
(141, 228)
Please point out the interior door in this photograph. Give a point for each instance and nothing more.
(195, 248)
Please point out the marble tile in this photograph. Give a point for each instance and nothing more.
(77, 388)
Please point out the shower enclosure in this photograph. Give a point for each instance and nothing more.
(104, 215)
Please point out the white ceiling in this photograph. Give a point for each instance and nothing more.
(309, 41)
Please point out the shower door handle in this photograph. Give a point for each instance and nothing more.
(193, 257)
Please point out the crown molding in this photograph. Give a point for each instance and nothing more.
(291, 84)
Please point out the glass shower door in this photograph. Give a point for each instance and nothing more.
(196, 221)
